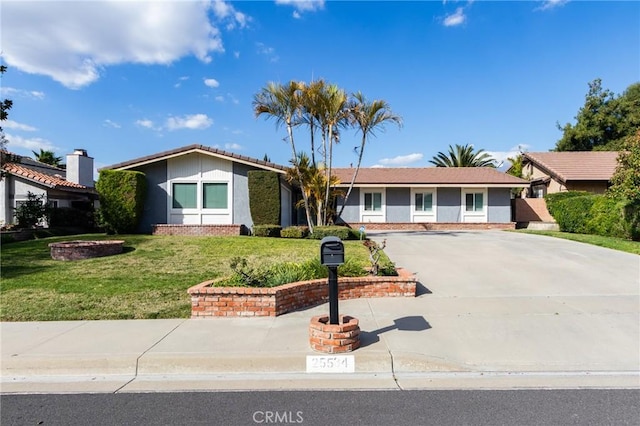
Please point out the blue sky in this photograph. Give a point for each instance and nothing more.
(128, 79)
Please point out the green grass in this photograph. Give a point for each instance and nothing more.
(148, 280)
(597, 240)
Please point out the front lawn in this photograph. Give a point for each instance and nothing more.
(149, 280)
(596, 240)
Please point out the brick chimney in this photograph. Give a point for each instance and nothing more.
(80, 168)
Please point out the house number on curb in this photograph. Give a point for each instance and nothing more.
(331, 364)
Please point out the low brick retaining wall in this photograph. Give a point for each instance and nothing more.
(78, 250)
(205, 230)
(209, 301)
(432, 226)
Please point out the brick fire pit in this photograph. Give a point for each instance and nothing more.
(77, 250)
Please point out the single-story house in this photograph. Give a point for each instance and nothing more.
(59, 187)
(200, 186)
(551, 172)
(446, 195)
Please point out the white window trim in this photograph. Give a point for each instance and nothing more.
(381, 214)
(483, 215)
(212, 210)
(423, 216)
(199, 211)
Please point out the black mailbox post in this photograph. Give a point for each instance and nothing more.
(332, 256)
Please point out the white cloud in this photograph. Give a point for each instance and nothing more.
(194, 122)
(267, 51)
(10, 124)
(303, 5)
(296, 14)
(233, 146)
(180, 80)
(236, 55)
(219, 98)
(501, 156)
(148, 124)
(401, 160)
(109, 123)
(225, 12)
(456, 18)
(76, 40)
(33, 144)
(211, 82)
(13, 92)
(551, 4)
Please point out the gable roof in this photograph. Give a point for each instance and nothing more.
(436, 176)
(575, 165)
(207, 150)
(56, 181)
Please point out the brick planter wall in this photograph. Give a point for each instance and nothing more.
(435, 226)
(78, 250)
(334, 338)
(198, 230)
(209, 301)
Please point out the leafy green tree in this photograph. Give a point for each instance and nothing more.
(367, 116)
(5, 106)
(31, 212)
(48, 157)
(604, 120)
(626, 179)
(463, 156)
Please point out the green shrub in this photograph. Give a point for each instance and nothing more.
(31, 212)
(70, 216)
(554, 199)
(264, 197)
(267, 230)
(342, 232)
(295, 232)
(573, 213)
(632, 220)
(606, 218)
(122, 194)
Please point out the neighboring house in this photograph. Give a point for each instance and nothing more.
(200, 185)
(428, 195)
(551, 172)
(59, 187)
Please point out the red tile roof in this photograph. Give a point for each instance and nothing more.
(428, 176)
(42, 178)
(576, 165)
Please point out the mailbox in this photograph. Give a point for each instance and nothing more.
(331, 251)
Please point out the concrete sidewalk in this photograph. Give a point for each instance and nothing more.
(471, 326)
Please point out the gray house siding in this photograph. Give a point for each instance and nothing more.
(156, 202)
(499, 205)
(449, 205)
(241, 211)
(398, 205)
(351, 212)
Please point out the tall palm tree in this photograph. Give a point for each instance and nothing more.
(48, 157)
(312, 94)
(463, 156)
(283, 103)
(334, 115)
(367, 117)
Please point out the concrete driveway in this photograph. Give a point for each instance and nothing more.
(504, 301)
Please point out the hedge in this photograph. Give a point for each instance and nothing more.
(595, 214)
(295, 232)
(264, 197)
(267, 230)
(342, 232)
(122, 194)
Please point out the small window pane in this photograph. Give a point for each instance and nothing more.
(469, 202)
(214, 195)
(419, 206)
(368, 205)
(185, 195)
(427, 204)
(377, 201)
(478, 202)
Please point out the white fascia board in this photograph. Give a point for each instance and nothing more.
(434, 185)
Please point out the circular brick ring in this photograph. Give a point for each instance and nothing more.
(334, 338)
(77, 250)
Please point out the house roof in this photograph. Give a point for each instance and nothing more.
(575, 165)
(436, 176)
(195, 148)
(44, 176)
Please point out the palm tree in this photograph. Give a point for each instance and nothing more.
(48, 157)
(311, 110)
(367, 117)
(463, 156)
(283, 103)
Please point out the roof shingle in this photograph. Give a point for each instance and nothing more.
(428, 176)
(42, 178)
(576, 165)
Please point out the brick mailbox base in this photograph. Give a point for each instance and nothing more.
(334, 338)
